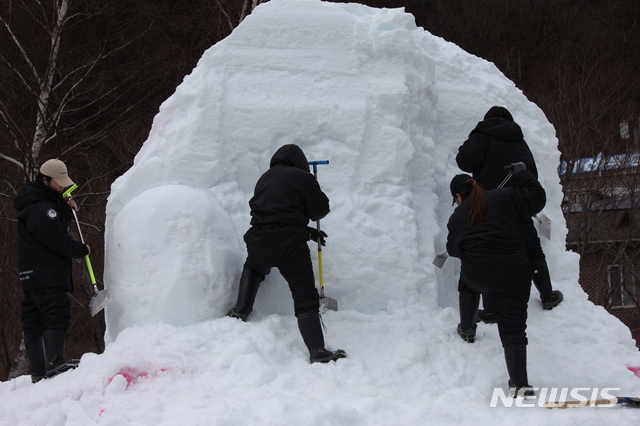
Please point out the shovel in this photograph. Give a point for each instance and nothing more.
(440, 259)
(100, 298)
(326, 303)
(545, 225)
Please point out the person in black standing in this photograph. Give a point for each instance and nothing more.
(495, 142)
(45, 249)
(487, 232)
(286, 197)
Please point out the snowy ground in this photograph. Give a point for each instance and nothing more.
(387, 104)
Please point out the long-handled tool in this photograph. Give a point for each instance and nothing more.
(100, 298)
(326, 303)
(440, 259)
(625, 401)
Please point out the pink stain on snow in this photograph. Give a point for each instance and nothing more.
(635, 370)
(133, 375)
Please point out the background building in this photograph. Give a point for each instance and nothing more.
(601, 209)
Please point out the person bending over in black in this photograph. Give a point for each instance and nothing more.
(285, 198)
(487, 231)
(495, 142)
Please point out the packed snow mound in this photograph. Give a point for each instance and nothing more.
(384, 101)
(357, 89)
(168, 231)
(387, 104)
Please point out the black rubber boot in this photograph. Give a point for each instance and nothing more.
(486, 317)
(34, 346)
(54, 342)
(247, 291)
(311, 331)
(468, 313)
(553, 301)
(542, 279)
(516, 359)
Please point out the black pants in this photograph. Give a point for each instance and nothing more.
(45, 309)
(533, 245)
(285, 248)
(539, 268)
(538, 262)
(507, 277)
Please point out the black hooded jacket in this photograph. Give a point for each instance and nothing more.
(287, 194)
(45, 246)
(494, 143)
(508, 211)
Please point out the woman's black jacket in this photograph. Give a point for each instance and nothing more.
(509, 211)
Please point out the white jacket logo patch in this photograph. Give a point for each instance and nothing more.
(52, 214)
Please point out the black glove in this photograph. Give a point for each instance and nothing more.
(314, 235)
(516, 168)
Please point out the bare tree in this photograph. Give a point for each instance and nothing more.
(55, 57)
(577, 60)
(603, 215)
(82, 81)
(235, 11)
(57, 77)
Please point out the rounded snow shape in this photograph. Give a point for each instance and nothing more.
(174, 256)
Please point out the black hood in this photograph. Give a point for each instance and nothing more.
(498, 111)
(290, 155)
(33, 192)
(500, 128)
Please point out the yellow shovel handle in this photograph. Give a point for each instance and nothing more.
(320, 271)
(90, 269)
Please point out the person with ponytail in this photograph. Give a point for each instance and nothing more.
(487, 232)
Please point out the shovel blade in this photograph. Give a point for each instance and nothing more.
(328, 304)
(99, 301)
(441, 259)
(545, 226)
